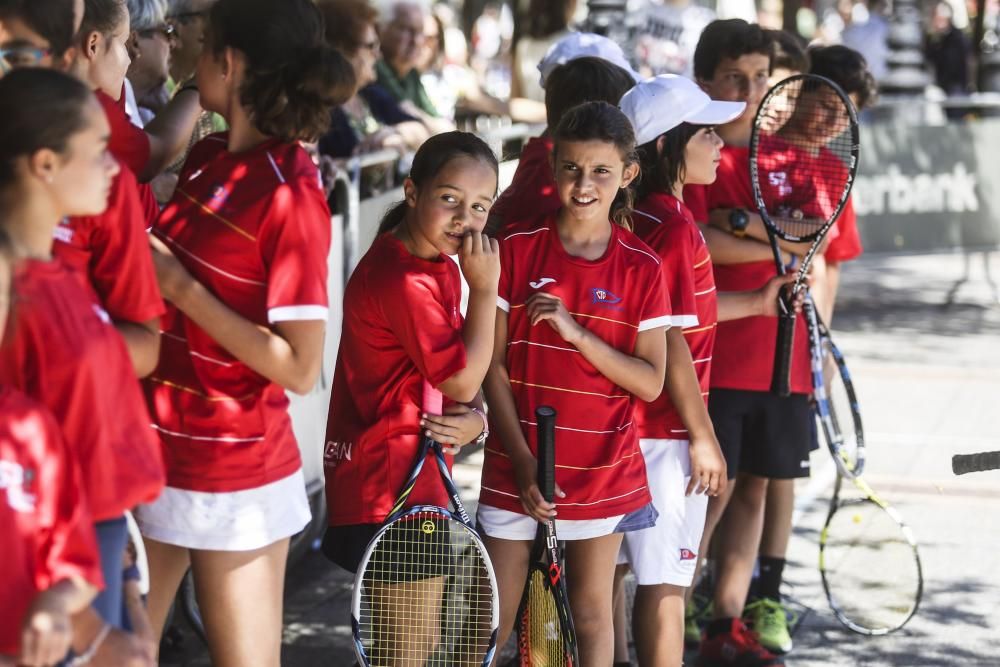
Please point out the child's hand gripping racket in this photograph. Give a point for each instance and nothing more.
(803, 159)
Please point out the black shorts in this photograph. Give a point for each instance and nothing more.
(428, 542)
(762, 434)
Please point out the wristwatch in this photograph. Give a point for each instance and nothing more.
(739, 220)
(486, 427)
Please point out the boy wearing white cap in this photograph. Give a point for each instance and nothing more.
(674, 123)
(579, 68)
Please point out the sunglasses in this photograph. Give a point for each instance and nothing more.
(166, 30)
(21, 56)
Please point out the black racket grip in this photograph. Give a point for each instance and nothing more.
(782, 373)
(964, 463)
(546, 418)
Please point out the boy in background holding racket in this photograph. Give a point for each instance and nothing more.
(848, 69)
(762, 436)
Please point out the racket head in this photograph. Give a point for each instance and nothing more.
(425, 590)
(803, 156)
(870, 566)
(545, 635)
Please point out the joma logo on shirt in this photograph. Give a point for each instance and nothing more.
(604, 297)
(12, 479)
(335, 452)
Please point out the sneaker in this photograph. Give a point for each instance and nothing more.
(737, 648)
(770, 621)
(696, 614)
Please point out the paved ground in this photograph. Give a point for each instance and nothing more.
(929, 383)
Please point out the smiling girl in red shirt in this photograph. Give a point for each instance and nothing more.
(581, 317)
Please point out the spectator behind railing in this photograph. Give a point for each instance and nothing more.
(948, 51)
(454, 85)
(371, 119)
(149, 47)
(402, 36)
(545, 23)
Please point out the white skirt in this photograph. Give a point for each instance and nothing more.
(228, 521)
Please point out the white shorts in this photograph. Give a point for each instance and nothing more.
(507, 525)
(668, 552)
(230, 521)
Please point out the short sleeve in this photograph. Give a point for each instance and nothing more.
(417, 316)
(846, 245)
(678, 274)
(67, 544)
(294, 243)
(655, 312)
(120, 247)
(506, 265)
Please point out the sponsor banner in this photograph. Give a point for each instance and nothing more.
(926, 188)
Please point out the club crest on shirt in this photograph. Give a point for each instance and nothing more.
(13, 479)
(603, 297)
(218, 196)
(687, 554)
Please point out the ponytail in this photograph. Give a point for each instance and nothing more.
(392, 217)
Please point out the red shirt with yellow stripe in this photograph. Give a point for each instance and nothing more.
(598, 462)
(254, 229)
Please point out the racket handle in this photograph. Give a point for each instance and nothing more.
(781, 375)
(964, 463)
(432, 400)
(546, 418)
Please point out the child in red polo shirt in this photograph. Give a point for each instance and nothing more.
(51, 565)
(60, 348)
(580, 327)
(241, 254)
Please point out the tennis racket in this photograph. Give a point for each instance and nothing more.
(425, 592)
(803, 159)
(545, 634)
(868, 558)
(965, 463)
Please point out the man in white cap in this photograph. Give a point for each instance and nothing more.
(579, 68)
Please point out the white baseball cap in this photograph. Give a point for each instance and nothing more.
(582, 45)
(662, 103)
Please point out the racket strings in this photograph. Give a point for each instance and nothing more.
(426, 595)
(542, 639)
(870, 567)
(804, 154)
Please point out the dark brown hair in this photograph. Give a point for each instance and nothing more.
(293, 78)
(728, 39)
(52, 19)
(39, 108)
(101, 16)
(789, 52)
(582, 80)
(345, 21)
(600, 121)
(847, 68)
(661, 169)
(431, 158)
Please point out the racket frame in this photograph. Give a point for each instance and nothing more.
(785, 339)
(400, 511)
(546, 554)
(820, 340)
